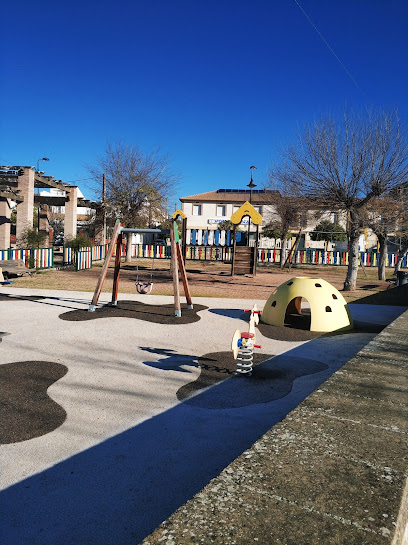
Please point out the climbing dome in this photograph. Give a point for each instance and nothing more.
(328, 308)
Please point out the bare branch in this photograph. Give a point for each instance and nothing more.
(346, 163)
(134, 181)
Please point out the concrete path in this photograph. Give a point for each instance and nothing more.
(129, 453)
(334, 471)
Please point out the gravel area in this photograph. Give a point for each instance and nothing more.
(206, 279)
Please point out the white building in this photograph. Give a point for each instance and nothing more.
(82, 211)
(205, 211)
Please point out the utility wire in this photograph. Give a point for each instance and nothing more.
(330, 48)
(80, 180)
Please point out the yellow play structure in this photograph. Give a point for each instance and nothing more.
(328, 308)
(244, 258)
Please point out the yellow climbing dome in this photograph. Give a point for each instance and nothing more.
(328, 308)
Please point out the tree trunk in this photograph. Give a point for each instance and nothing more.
(350, 283)
(382, 256)
(282, 260)
(401, 254)
(128, 258)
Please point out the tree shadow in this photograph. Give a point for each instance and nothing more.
(171, 360)
(230, 313)
(159, 314)
(120, 490)
(397, 296)
(271, 380)
(7, 296)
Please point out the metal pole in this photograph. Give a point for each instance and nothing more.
(104, 208)
(250, 185)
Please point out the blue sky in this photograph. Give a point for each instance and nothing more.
(219, 85)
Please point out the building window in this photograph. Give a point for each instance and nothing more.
(258, 209)
(220, 210)
(196, 209)
(235, 208)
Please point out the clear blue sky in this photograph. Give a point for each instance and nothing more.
(219, 85)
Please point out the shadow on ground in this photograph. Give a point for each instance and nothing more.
(120, 490)
(271, 380)
(393, 296)
(158, 314)
(214, 368)
(230, 313)
(5, 297)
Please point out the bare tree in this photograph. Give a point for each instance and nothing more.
(287, 214)
(403, 249)
(346, 163)
(384, 216)
(137, 184)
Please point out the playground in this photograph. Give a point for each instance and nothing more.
(206, 279)
(116, 418)
(119, 408)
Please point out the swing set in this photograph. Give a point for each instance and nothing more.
(144, 288)
(177, 265)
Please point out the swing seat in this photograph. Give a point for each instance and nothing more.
(144, 288)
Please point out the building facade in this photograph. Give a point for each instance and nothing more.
(205, 212)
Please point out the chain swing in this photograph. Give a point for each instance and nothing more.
(145, 287)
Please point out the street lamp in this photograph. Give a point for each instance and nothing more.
(251, 185)
(38, 162)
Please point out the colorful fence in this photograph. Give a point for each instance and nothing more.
(224, 253)
(97, 253)
(209, 253)
(83, 259)
(321, 257)
(156, 251)
(68, 256)
(40, 258)
(43, 258)
(202, 253)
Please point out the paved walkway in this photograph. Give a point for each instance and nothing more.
(333, 471)
(129, 452)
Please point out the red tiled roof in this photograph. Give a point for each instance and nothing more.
(231, 196)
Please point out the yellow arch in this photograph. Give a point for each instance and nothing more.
(178, 213)
(328, 308)
(246, 210)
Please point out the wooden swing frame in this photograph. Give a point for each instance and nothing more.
(177, 266)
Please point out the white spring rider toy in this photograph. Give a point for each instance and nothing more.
(243, 344)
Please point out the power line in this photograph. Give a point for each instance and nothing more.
(330, 48)
(80, 180)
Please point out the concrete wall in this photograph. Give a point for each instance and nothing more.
(71, 208)
(5, 212)
(25, 208)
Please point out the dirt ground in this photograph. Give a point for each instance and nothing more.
(205, 279)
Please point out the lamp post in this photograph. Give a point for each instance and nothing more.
(38, 162)
(251, 185)
(39, 207)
